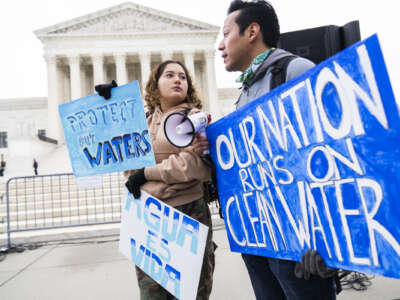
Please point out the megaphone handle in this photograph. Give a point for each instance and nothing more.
(203, 133)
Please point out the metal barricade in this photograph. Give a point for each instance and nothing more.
(54, 201)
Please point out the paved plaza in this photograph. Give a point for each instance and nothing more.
(94, 269)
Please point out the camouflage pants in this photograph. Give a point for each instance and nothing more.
(151, 290)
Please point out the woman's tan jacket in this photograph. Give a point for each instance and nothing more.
(178, 176)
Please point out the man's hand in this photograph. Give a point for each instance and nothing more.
(105, 89)
(313, 264)
(135, 181)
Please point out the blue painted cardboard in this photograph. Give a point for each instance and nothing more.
(315, 163)
(105, 136)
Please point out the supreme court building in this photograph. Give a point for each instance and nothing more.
(124, 43)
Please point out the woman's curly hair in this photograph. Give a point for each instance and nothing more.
(152, 96)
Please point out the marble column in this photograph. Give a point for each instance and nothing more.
(54, 123)
(98, 69)
(145, 67)
(189, 62)
(166, 55)
(212, 86)
(120, 66)
(75, 73)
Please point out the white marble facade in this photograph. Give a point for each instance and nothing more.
(123, 43)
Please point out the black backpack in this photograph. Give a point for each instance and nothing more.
(279, 69)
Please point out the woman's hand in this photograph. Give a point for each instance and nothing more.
(199, 145)
(104, 90)
(135, 181)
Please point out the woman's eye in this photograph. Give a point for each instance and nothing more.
(183, 77)
(169, 75)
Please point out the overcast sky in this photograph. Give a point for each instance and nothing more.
(23, 70)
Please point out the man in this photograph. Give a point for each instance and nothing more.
(250, 36)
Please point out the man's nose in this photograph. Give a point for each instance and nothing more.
(221, 45)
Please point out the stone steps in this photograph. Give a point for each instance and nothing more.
(64, 202)
(35, 205)
(22, 188)
(55, 211)
(62, 221)
(62, 194)
(55, 200)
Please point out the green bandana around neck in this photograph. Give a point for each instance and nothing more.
(248, 75)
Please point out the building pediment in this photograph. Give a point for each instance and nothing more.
(126, 18)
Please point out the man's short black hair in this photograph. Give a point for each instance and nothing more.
(260, 12)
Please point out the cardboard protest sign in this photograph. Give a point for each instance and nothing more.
(315, 164)
(105, 136)
(165, 243)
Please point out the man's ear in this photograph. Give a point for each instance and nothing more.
(253, 31)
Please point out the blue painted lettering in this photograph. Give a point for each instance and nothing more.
(189, 227)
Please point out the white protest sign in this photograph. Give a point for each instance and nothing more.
(165, 243)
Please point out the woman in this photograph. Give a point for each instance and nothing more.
(177, 178)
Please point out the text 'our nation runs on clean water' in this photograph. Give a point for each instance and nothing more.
(313, 165)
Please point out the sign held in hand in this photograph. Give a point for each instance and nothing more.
(107, 136)
(165, 243)
(315, 164)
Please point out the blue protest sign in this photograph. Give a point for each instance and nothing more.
(105, 136)
(315, 164)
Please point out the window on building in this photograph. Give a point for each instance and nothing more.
(42, 132)
(3, 139)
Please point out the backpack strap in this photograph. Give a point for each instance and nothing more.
(279, 69)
